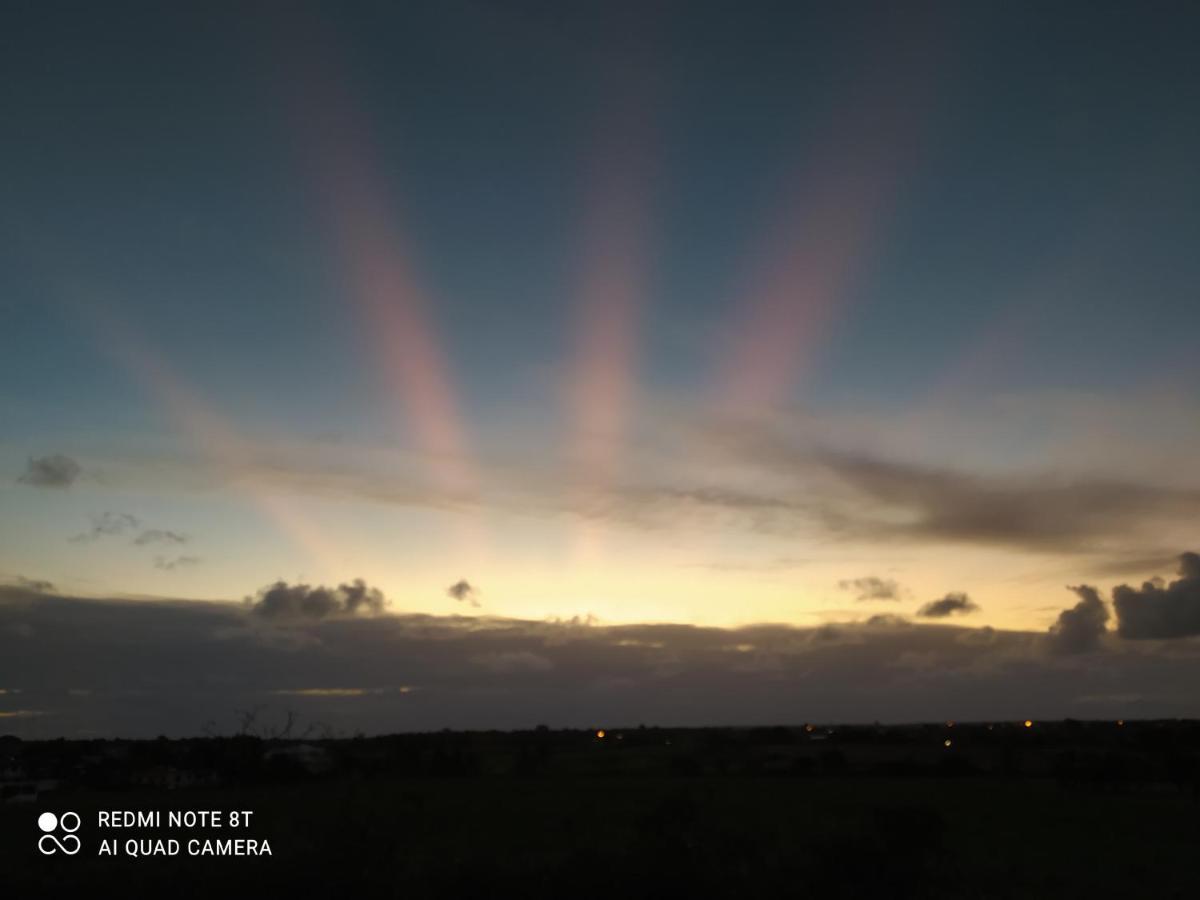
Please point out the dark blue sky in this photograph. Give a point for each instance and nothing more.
(147, 152)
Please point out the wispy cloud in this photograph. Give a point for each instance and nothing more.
(169, 563)
(54, 471)
(108, 524)
(159, 536)
(872, 587)
(803, 478)
(117, 524)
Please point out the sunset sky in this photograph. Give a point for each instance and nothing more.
(674, 313)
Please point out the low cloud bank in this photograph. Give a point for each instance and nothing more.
(335, 655)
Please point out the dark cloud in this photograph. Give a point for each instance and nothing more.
(950, 605)
(169, 563)
(872, 587)
(1082, 627)
(108, 524)
(1038, 513)
(859, 496)
(159, 536)
(283, 601)
(514, 661)
(169, 667)
(464, 592)
(55, 470)
(1161, 611)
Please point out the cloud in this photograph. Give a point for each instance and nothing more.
(1161, 611)
(108, 524)
(799, 476)
(113, 524)
(34, 584)
(169, 563)
(281, 601)
(464, 592)
(55, 470)
(159, 536)
(1082, 627)
(167, 667)
(1118, 564)
(1026, 512)
(950, 605)
(872, 587)
(792, 487)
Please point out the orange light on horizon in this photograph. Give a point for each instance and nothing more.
(1028, 723)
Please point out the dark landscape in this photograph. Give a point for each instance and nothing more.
(1053, 809)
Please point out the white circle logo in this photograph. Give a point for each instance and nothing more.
(50, 843)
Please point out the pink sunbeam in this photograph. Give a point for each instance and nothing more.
(826, 233)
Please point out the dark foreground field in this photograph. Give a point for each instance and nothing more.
(1053, 811)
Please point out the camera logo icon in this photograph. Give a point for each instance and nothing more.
(50, 843)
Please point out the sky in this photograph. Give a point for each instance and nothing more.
(539, 317)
